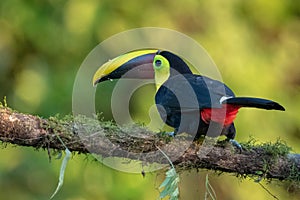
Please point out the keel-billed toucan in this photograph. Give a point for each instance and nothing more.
(190, 103)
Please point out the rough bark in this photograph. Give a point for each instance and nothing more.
(85, 135)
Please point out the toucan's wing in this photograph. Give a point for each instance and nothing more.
(191, 92)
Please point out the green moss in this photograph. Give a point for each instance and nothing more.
(275, 149)
(294, 175)
(56, 124)
(279, 148)
(109, 126)
(164, 136)
(248, 145)
(70, 124)
(4, 103)
(83, 125)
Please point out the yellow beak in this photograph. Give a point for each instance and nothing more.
(136, 64)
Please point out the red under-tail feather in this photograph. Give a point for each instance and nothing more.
(224, 115)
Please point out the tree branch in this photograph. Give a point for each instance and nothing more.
(86, 135)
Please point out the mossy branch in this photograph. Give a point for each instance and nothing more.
(271, 161)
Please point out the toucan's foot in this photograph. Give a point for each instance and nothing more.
(172, 134)
(168, 134)
(236, 144)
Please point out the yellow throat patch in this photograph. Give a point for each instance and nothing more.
(161, 70)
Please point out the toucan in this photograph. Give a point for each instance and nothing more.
(189, 103)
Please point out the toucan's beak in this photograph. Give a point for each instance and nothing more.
(136, 64)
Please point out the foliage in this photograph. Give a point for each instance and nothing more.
(170, 184)
(209, 192)
(62, 172)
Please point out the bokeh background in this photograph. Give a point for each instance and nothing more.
(255, 44)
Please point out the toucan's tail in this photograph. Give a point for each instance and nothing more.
(254, 102)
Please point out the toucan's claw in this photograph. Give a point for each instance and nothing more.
(172, 134)
(168, 134)
(236, 144)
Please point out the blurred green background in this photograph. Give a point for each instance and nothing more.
(255, 44)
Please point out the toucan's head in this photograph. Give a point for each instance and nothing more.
(142, 64)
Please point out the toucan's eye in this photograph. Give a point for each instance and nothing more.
(158, 63)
